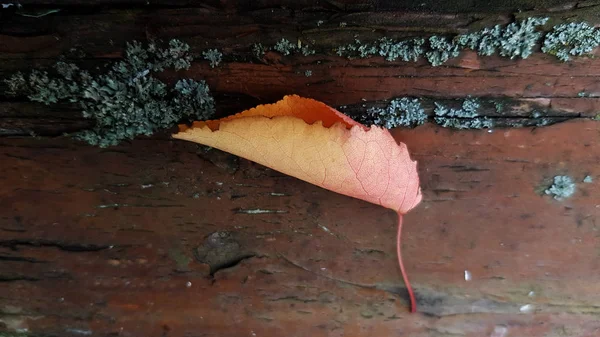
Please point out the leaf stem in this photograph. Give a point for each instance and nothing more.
(413, 302)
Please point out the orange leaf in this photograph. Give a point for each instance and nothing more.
(311, 141)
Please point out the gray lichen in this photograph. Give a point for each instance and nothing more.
(588, 179)
(519, 38)
(258, 50)
(499, 107)
(67, 70)
(409, 50)
(16, 84)
(465, 118)
(41, 88)
(214, 56)
(441, 50)
(516, 39)
(307, 50)
(571, 39)
(308, 73)
(157, 59)
(562, 187)
(468, 113)
(485, 42)
(127, 100)
(399, 112)
(536, 114)
(357, 49)
(284, 46)
(544, 122)
(191, 95)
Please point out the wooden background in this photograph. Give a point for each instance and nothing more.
(158, 237)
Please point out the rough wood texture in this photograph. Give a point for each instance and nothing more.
(93, 36)
(165, 238)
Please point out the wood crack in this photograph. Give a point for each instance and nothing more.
(65, 246)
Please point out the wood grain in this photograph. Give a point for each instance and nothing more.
(95, 36)
(115, 241)
(158, 237)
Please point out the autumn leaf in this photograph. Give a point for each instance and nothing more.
(311, 141)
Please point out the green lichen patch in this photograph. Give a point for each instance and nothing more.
(571, 39)
(126, 101)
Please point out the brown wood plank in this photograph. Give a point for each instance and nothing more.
(94, 37)
(158, 237)
(346, 5)
(106, 241)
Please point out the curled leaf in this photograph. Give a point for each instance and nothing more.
(313, 142)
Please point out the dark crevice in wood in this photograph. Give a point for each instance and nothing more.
(20, 259)
(65, 246)
(17, 278)
(230, 264)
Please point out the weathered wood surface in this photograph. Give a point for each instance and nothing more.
(164, 238)
(111, 242)
(93, 36)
